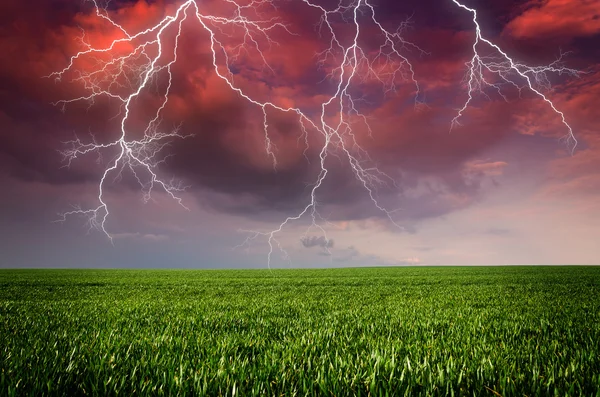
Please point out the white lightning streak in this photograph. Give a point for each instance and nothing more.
(503, 66)
(124, 75)
(139, 66)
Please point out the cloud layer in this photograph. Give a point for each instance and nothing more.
(437, 174)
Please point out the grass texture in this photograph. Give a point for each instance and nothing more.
(508, 331)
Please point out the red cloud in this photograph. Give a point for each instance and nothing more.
(557, 19)
(227, 153)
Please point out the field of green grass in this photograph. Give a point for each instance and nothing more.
(379, 331)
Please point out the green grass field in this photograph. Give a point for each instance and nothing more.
(380, 331)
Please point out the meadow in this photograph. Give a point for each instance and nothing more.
(498, 331)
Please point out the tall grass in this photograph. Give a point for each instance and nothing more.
(380, 332)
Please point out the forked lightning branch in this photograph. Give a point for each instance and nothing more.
(251, 27)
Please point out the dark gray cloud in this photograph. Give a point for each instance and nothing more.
(417, 144)
(316, 241)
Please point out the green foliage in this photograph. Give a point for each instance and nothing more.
(365, 332)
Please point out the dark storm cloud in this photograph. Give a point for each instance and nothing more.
(224, 156)
(316, 241)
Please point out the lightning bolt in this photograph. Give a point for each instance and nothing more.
(509, 72)
(140, 66)
(130, 64)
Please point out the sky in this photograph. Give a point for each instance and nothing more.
(404, 185)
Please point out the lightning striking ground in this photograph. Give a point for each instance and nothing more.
(125, 74)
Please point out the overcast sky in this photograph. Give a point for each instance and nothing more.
(500, 188)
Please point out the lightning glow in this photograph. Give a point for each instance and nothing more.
(132, 63)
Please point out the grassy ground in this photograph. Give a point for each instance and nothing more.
(380, 331)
